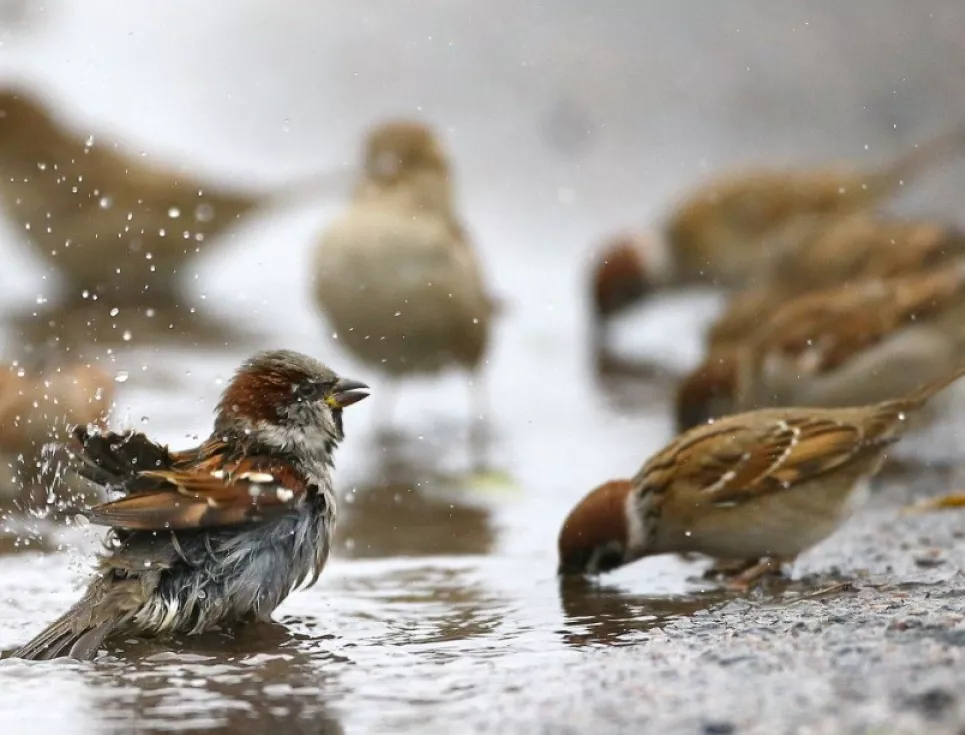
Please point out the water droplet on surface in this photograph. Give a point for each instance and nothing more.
(81, 521)
(115, 311)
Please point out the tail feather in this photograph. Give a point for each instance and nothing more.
(75, 634)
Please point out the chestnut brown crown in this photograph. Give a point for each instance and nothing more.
(402, 147)
(594, 536)
(623, 274)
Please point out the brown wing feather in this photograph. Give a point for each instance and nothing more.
(735, 461)
(210, 493)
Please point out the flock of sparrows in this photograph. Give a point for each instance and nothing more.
(847, 323)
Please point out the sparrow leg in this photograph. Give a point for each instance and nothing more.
(754, 573)
(721, 567)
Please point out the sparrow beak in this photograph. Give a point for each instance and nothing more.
(346, 392)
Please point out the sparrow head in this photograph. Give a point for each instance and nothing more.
(709, 392)
(287, 402)
(398, 149)
(596, 534)
(629, 268)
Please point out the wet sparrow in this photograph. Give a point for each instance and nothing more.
(758, 488)
(857, 344)
(395, 274)
(219, 534)
(727, 230)
(112, 223)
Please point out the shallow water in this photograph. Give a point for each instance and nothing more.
(440, 610)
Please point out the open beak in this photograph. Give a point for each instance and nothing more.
(346, 392)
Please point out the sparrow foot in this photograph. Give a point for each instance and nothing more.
(746, 576)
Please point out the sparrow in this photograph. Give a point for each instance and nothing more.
(111, 223)
(821, 255)
(727, 229)
(396, 275)
(758, 488)
(219, 534)
(860, 343)
(37, 407)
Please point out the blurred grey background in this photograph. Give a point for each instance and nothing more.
(566, 120)
(621, 104)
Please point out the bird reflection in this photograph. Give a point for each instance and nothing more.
(598, 614)
(261, 679)
(410, 506)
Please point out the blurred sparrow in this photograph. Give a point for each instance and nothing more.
(824, 256)
(727, 230)
(111, 223)
(37, 408)
(759, 488)
(395, 274)
(853, 345)
(219, 534)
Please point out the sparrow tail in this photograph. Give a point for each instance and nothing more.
(67, 636)
(889, 420)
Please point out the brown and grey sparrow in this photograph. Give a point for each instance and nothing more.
(219, 534)
(857, 344)
(109, 222)
(729, 229)
(396, 275)
(757, 488)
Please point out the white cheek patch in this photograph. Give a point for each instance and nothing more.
(636, 530)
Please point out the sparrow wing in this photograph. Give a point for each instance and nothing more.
(742, 458)
(114, 461)
(209, 493)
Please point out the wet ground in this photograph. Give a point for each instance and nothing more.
(441, 611)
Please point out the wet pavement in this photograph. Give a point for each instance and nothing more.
(440, 611)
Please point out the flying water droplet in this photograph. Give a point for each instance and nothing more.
(121, 377)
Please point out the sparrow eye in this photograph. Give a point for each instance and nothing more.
(308, 391)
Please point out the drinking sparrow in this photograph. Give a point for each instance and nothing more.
(758, 488)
